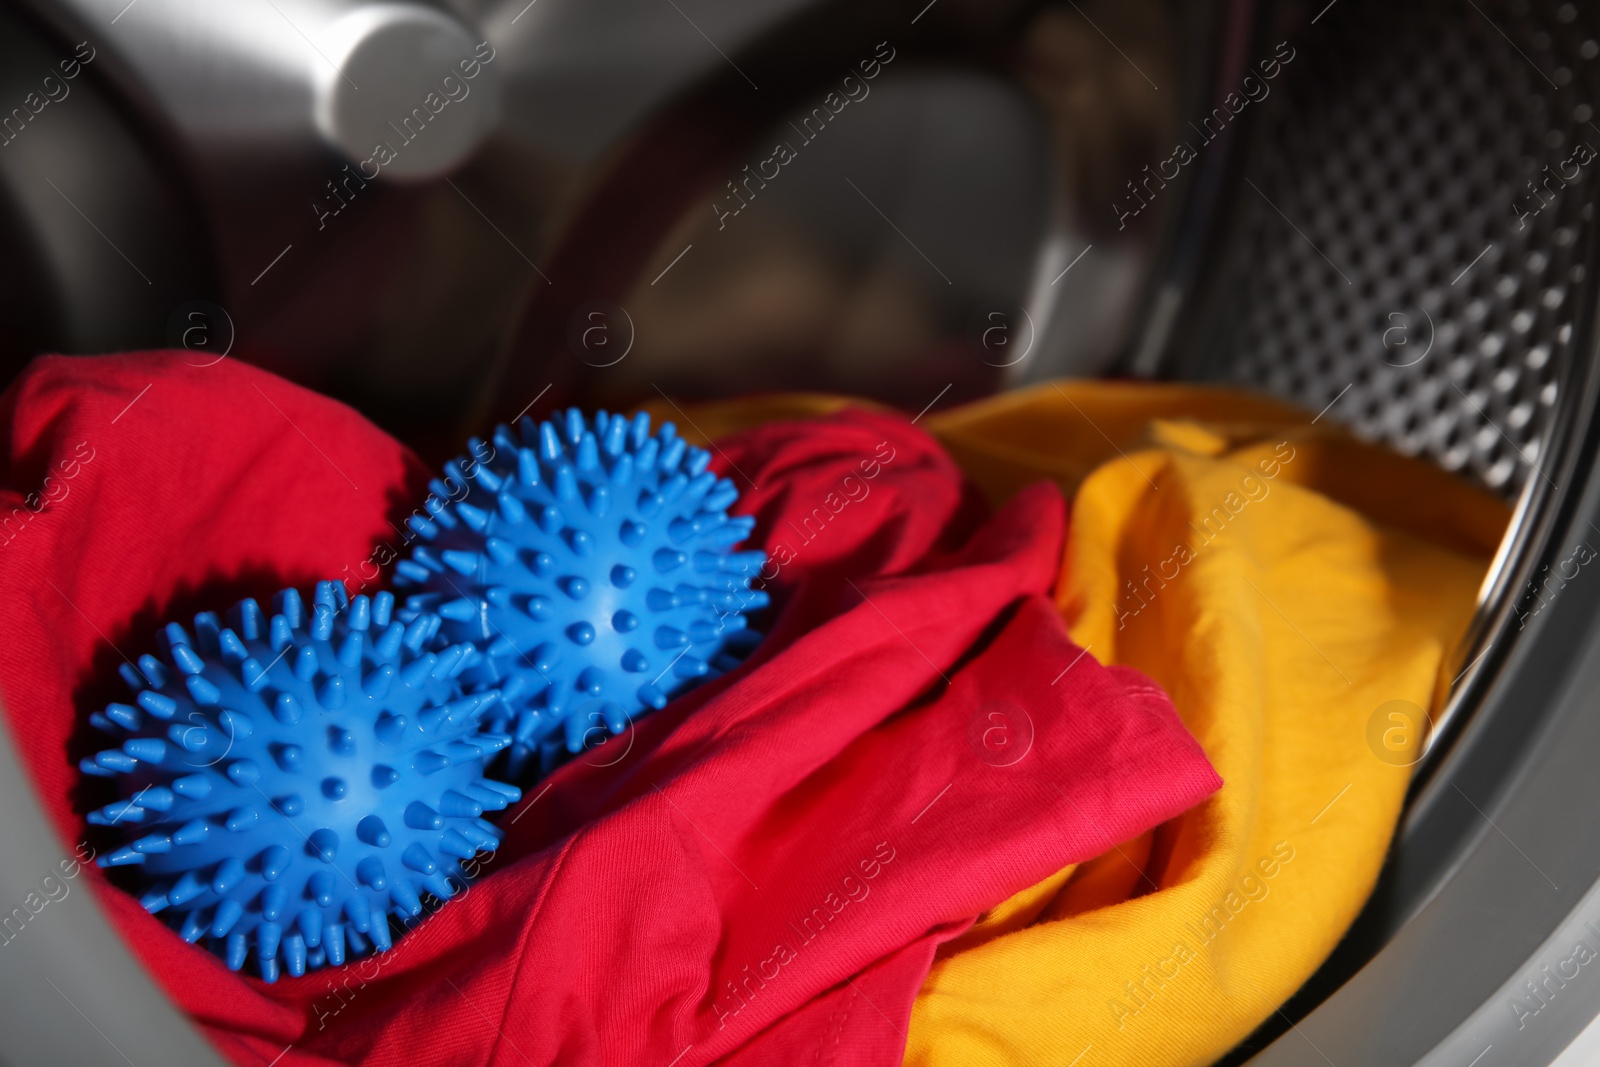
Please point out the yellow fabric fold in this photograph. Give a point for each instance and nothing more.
(1295, 591)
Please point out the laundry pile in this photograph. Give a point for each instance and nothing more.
(944, 813)
(1287, 585)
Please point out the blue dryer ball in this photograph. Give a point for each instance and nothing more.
(289, 783)
(592, 563)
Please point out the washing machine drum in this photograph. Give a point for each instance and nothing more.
(1399, 236)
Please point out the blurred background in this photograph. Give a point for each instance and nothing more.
(598, 208)
(447, 212)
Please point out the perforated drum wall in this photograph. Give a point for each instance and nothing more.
(1413, 229)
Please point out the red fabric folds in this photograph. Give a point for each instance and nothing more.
(760, 873)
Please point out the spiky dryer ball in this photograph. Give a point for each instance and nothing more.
(593, 564)
(290, 782)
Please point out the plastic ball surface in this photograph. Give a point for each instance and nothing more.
(592, 563)
(291, 782)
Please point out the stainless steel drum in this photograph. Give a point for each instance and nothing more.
(443, 211)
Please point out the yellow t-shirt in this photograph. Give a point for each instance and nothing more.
(1299, 594)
